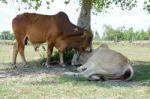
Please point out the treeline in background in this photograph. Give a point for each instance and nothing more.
(124, 34)
(6, 35)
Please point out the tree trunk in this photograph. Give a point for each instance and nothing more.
(84, 20)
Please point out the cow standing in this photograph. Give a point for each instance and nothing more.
(56, 30)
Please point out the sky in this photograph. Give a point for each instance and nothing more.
(136, 18)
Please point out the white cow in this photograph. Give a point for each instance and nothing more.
(104, 64)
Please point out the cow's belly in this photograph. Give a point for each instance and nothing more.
(36, 35)
(36, 39)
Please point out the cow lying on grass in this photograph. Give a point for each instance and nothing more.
(104, 64)
(56, 30)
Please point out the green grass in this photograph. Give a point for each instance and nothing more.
(38, 82)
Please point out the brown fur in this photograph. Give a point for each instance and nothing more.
(56, 30)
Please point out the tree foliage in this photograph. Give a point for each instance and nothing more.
(6, 35)
(147, 5)
(99, 5)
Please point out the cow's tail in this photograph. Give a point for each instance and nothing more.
(128, 74)
(25, 40)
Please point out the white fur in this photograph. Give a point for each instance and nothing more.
(103, 62)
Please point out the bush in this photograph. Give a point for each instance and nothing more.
(67, 56)
(55, 57)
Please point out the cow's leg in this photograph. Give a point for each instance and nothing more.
(76, 59)
(21, 51)
(15, 52)
(89, 65)
(61, 59)
(82, 68)
(91, 73)
(49, 53)
(86, 74)
(19, 47)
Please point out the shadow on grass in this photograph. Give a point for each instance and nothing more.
(35, 67)
(142, 72)
(141, 75)
(141, 78)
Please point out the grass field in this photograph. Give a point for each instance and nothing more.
(38, 82)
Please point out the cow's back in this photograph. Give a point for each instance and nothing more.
(108, 60)
(35, 26)
(39, 28)
(20, 22)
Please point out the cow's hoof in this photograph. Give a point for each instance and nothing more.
(80, 69)
(75, 64)
(72, 63)
(102, 78)
(14, 66)
(46, 65)
(26, 66)
(63, 65)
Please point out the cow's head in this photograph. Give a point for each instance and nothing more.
(87, 41)
(85, 46)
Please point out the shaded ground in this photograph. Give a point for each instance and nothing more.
(33, 69)
(142, 70)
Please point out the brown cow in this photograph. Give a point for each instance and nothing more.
(56, 30)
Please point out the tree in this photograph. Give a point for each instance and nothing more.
(97, 36)
(148, 32)
(85, 13)
(129, 34)
(6, 35)
(122, 33)
(147, 5)
(84, 19)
